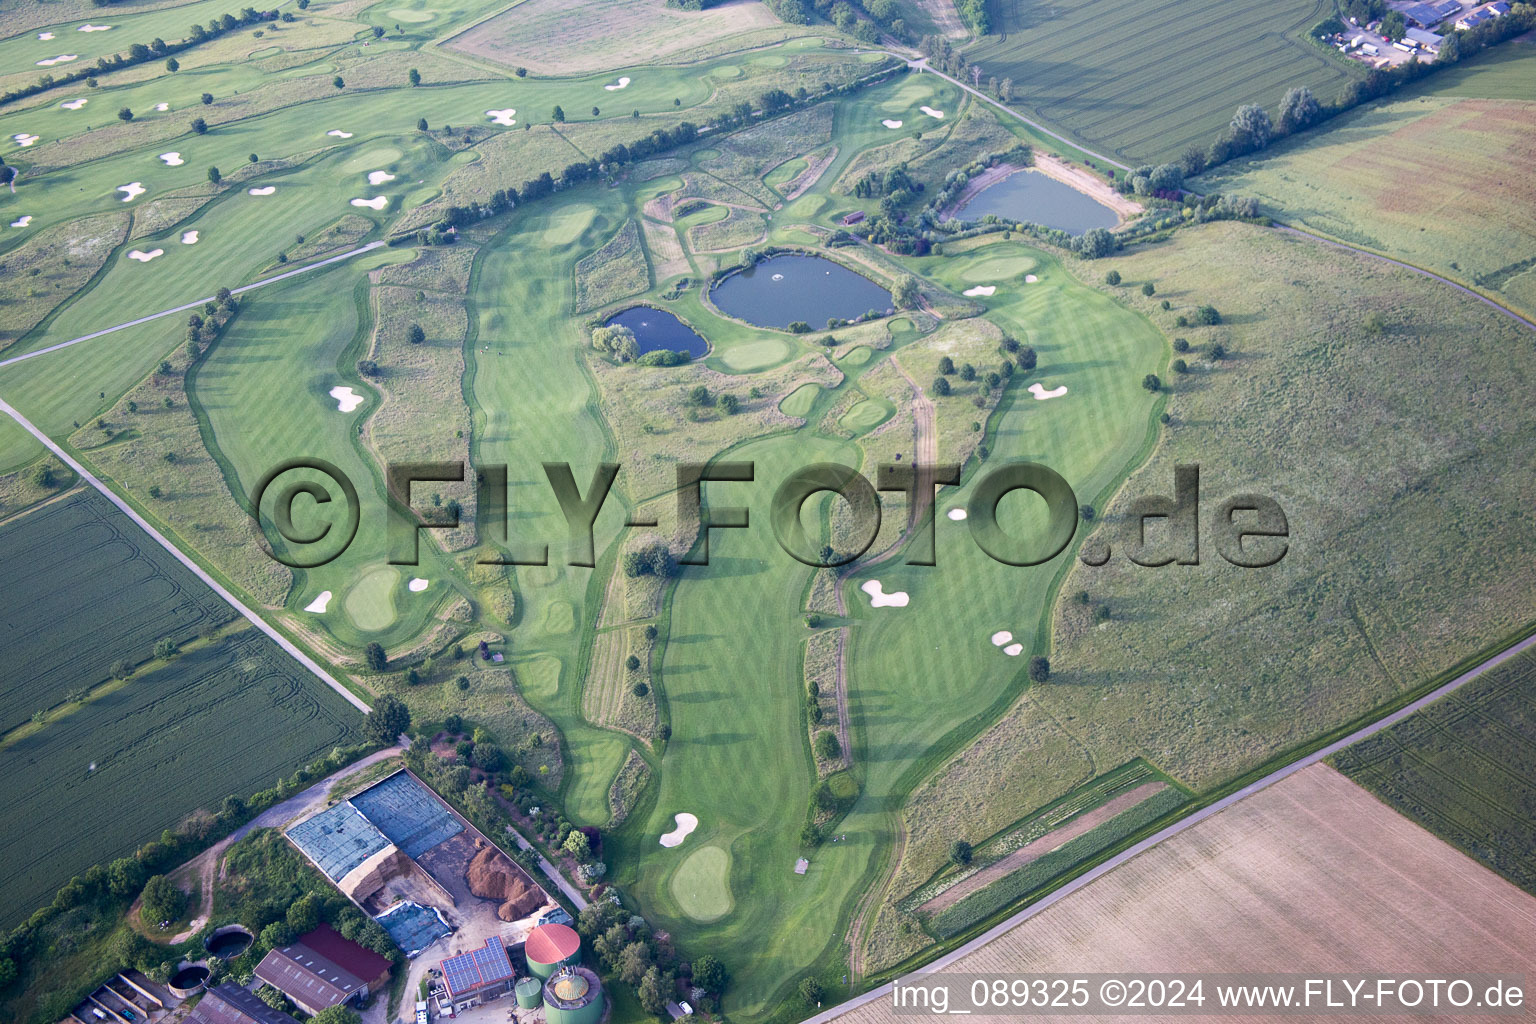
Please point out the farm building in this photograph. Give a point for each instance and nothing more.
(1423, 15)
(324, 969)
(572, 995)
(1482, 15)
(476, 976)
(550, 946)
(1424, 39)
(231, 1004)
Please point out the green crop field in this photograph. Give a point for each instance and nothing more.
(1463, 768)
(1141, 82)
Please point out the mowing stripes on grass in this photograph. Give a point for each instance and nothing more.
(702, 884)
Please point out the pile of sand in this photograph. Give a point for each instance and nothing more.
(492, 877)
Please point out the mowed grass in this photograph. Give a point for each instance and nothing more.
(701, 884)
(1120, 78)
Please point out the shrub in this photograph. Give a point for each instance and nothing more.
(1152, 382)
(960, 853)
(161, 900)
(827, 746)
(1112, 278)
(1039, 669)
(1180, 366)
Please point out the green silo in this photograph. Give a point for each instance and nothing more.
(529, 991)
(573, 995)
(550, 946)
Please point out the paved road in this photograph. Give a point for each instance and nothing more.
(195, 305)
(197, 570)
(1088, 877)
(571, 892)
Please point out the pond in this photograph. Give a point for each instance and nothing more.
(657, 329)
(1039, 199)
(784, 289)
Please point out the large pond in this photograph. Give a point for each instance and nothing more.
(783, 289)
(1039, 199)
(657, 329)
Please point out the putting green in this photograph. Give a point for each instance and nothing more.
(566, 224)
(755, 355)
(703, 156)
(372, 159)
(805, 207)
(798, 403)
(911, 94)
(559, 617)
(701, 884)
(540, 678)
(409, 17)
(998, 268)
(726, 72)
(771, 60)
(370, 604)
(857, 356)
(867, 415)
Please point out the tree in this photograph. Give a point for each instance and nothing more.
(488, 757)
(199, 126)
(1180, 366)
(1450, 49)
(1218, 352)
(811, 991)
(1039, 669)
(1251, 125)
(124, 114)
(173, 65)
(207, 98)
(618, 341)
(1096, 243)
(44, 477)
(1207, 316)
(960, 853)
(378, 32)
(161, 900)
(304, 913)
(214, 175)
(1299, 109)
(558, 115)
(373, 654)
(904, 294)
(388, 719)
(946, 365)
(710, 974)
(339, 82)
(1152, 382)
(1112, 278)
(653, 992)
(415, 335)
(165, 647)
(967, 372)
(1148, 289)
(827, 747)
(338, 1014)
(421, 124)
(1394, 26)
(941, 386)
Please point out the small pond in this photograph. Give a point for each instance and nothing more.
(657, 329)
(783, 289)
(1039, 199)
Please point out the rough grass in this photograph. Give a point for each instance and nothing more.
(607, 689)
(739, 228)
(627, 787)
(615, 271)
(48, 268)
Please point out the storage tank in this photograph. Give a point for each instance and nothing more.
(572, 995)
(550, 946)
(529, 992)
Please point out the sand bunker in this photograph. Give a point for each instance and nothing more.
(24, 140)
(417, 585)
(778, 277)
(162, 107)
(502, 117)
(686, 823)
(1040, 393)
(1030, 279)
(63, 58)
(346, 398)
(74, 104)
(189, 238)
(878, 598)
(1013, 650)
(931, 112)
(134, 189)
(1001, 637)
(981, 289)
(45, 36)
(621, 83)
(491, 876)
(338, 133)
(319, 604)
(376, 203)
(379, 177)
(21, 222)
(145, 257)
(890, 123)
(172, 159)
(94, 28)
(957, 514)
(268, 190)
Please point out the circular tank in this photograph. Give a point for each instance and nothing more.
(572, 995)
(189, 978)
(550, 946)
(529, 992)
(228, 942)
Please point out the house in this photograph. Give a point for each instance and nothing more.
(324, 969)
(1424, 39)
(231, 1004)
(477, 975)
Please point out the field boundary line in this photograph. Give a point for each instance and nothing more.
(1088, 877)
(197, 570)
(194, 305)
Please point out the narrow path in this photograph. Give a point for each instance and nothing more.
(197, 570)
(571, 892)
(1088, 877)
(194, 305)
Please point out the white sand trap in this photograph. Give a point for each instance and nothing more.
(502, 117)
(21, 222)
(931, 112)
(346, 398)
(133, 190)
(145, 257)
(1030, 279)
(890, 123)
(1001, 637)
(778, 277)
(266, 191)
(172, 159)
(981, 289)
(63, 58)
(376, 203)
(318, 605)
(74, 104)
(1041, 394)
(162, 107)
(686, 823)
(45, 36)
(417, 585)
(615, 87)
(878, 598)
(94, 28)
(189, 238)
(338, 133)
(24, 140)
(957, 514)
(379, 177)
(1013, 650)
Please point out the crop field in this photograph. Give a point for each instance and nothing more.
(1223, 896)
(1105, 73)
(1463, 769)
